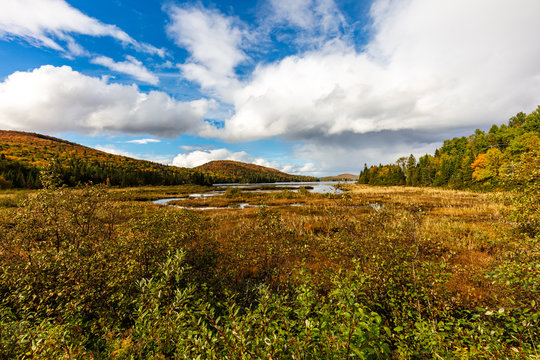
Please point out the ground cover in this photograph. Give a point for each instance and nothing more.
(376, 272)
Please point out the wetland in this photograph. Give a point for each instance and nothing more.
(392, 272)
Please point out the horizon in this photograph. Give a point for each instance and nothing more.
(313, 87)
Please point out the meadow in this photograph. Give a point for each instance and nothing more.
(373, 273)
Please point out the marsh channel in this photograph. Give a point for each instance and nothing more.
(223, 190)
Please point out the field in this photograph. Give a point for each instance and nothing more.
(375, 272)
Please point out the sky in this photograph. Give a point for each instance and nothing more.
(315, 87)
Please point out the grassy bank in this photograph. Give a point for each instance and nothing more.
(376, 272)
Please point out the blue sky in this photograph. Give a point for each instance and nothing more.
(306, 86)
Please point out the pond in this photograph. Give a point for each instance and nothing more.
(318, 187)
(322, 187)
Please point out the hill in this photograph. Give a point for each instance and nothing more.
(482, 160)
(340, 177)
(23, 155)
(228, 171)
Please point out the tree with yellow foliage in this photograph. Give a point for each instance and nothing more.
(487, 165)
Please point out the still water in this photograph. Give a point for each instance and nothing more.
(319, 187)
(322, 187)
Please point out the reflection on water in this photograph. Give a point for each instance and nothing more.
(323, 187)
(319, 187)
(165, 201)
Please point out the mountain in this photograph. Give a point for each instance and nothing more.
(227, 171)
(23, 155)
(340, 177)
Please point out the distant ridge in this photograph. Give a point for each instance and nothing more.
(24, 154)
(236, 171)
(340, 177)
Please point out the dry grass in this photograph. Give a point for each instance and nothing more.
(460, 229)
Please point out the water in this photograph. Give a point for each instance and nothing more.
(322, 187)
(165, 201)
(319, 187)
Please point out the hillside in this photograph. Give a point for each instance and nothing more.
(23, 155)
(228, 171)
(483, 160)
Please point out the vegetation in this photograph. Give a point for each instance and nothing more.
(480, 161)
(94, 272)
(426, 273)
(340, 177)
(228, 171)
(23, 155)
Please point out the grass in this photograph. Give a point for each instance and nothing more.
(438, 273)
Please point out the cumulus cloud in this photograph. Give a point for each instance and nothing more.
(199, 157)
(143, 141)
(51, 23)
(430, 65)
(112, 149)
(355, 150)
(214, 42)
(57, 99)
(131, 67)
(316, 20)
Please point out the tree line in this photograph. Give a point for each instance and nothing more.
(483, 160)
(74, 170)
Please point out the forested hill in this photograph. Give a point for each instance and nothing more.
(482, 160)
(228, 171)
(23, 155)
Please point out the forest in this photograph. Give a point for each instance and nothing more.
(23, 155)
(479, 161)
(95, 272)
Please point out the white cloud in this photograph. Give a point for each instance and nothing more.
(131, 67)
(214, 42)
(57, 99)
(143, 141)
(196, 147)
(317, 19)
(49, 23)
(349, 153)
(431, 65)
(111, 149)
(199, 157)
(297, 13)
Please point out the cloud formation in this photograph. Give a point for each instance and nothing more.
(143, 141)
(199, 157)
(315, 21)
(59, 99)
(111, 149)
(51, 23)
(430, 70)
(349, 152)
(214, 42)
(131, 67)
(430, 65)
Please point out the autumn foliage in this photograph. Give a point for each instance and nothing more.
(480, 161)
